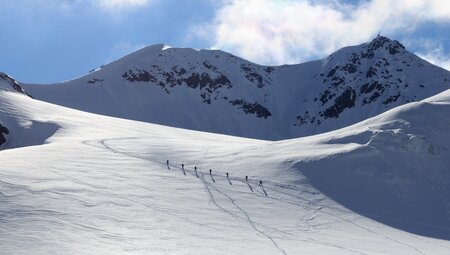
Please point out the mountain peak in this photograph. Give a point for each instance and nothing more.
(382, 42)
(217, 92)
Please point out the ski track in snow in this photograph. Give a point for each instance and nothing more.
(212, 200)
(337, 216)
(106, 193)
(273, 186)
(250, 221)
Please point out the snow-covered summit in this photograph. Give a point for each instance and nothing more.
(214, 91)
(372, 78)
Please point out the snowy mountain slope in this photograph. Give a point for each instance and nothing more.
(7, 83)
(100, 185)
(217, 92)
(399, 173)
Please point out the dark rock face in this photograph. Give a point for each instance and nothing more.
(14, 84)
(252, 108)
(342, 102)
(95, 80)
(138, 75)
(253, 76)
(306, 119)
(209, 82)
(361, 78)
(178, 77)
(3, 130)
(391, 99)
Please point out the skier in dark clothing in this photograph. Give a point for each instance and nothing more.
(229, 181)
(248, 184)
(195, 169)
(262, 188)
(210, 173)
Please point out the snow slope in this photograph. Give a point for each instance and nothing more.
(217, 92)
(100, 185)
(7, 83)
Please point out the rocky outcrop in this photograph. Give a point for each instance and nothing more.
(3, 131)
(252, 108)
(209, 82)
(372, 75)
(14, 84)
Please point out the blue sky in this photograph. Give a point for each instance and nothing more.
(54, 40)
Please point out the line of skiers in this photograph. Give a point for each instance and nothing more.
(214, 181)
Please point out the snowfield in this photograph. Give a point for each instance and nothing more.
(101, 185)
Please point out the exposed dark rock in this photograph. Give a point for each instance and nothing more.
(252, 75)
(95, 80)
(369, 87)
(180, 71)
(391, 99)
(342, 102)
(337, 81)
(332, 71)
(373, 97)
(396, 48)
(371, 72)
(303, 119)
(326, 95)
(355, 59)
(380, 41)
(306, 119)
(392, 46)
(3, 130)
(196, 80)
(209, 66)
(368, 55)
(269, 69)
(349, 68)
(14, 84)
(351, 77)
(138, 75)
(252, 108)
(209, 84)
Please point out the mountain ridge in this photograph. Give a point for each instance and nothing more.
(215, 91)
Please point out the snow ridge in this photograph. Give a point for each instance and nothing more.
(214, 91)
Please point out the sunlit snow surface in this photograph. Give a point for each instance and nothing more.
(101, 185)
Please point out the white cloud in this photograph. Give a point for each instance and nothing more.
(437, 58)
(286, 31)
(434, 53)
